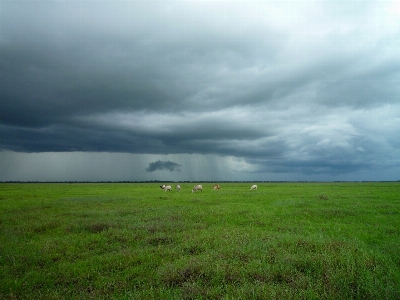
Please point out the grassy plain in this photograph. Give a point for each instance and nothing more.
(135, 241)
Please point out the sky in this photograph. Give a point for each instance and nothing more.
(199, 90)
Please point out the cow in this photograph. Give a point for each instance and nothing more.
(165, 187)
(253, 187)
(178, 187)
(197, 188)
(216, 187)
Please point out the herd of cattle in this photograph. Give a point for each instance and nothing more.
(198, 187)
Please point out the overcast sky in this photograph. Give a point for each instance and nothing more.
(199, 90)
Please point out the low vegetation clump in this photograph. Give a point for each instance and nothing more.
(135, 241)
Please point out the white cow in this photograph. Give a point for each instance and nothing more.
(197, 188)
(166, 187)
(178, 187)
(253, 187)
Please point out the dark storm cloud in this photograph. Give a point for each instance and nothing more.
(299, 86)
(163, 165)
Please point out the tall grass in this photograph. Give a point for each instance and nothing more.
(135, 241)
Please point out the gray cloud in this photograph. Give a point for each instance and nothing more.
(163, 165)
(305, 87)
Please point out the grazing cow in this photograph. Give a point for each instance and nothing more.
(178, 187)
(197, 188)
(166, 187)
(253, 187)
(216, 187)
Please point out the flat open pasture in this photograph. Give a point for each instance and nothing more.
(136, 241)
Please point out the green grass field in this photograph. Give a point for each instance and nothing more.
(135, 241)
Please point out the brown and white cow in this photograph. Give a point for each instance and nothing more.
(216, 187)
